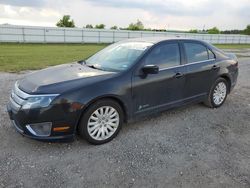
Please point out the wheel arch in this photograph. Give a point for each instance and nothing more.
(228, 79)
(111, 97)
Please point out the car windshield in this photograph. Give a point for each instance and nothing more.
(117, 57)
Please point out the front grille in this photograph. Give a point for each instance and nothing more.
(14, 105)
(17, 98)
(20, 93)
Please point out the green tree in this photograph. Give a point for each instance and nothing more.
(247, 30)
(65, 22)
(193, 31)
(114, 27)
(136, 26)
(100, 26)
(89, 26)
(213, 30)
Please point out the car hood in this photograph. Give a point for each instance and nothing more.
(61, 78)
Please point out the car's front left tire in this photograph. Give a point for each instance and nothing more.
(101, 122)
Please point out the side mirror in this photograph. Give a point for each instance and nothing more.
(150, 69)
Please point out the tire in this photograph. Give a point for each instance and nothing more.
(101, 122)
(212, 101)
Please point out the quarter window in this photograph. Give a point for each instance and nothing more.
(210, 54)
(164, 56)
(196, 52)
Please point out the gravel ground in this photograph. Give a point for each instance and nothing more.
(192, 146)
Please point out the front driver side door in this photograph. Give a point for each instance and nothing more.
(159, 91)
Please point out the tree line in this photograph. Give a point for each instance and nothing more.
(66, 21)
(215, 30)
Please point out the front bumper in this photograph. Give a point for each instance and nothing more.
(21, 118)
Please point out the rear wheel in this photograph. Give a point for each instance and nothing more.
(101, 122)
(218, 93)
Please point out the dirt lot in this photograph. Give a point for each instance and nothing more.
(192, 146)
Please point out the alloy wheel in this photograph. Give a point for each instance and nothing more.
(103, 123)
(219, 93)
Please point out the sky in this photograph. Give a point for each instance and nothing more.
(158, 14)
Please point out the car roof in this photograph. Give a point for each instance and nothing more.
(156, 40)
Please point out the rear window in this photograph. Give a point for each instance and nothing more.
(196, 52)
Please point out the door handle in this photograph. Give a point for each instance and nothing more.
(214, 67)
(178, 75)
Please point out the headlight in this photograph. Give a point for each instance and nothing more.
(38, 101)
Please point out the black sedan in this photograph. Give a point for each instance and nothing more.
(120, 83)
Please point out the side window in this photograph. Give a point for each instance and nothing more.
(164, 56)
(195, 52)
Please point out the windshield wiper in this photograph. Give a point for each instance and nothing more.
(93, 67)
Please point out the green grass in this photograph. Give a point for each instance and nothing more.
(19, 57)
(232, 46)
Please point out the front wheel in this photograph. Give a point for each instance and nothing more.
(101, 122)
(218, 93)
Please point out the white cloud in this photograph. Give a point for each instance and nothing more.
(9, 10)
(49, 13)
(172, 14)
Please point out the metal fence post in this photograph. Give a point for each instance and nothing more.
(64, 35)
(113, 36)
(23, 34)
(44, 37)
(99, 37)
(83, 36)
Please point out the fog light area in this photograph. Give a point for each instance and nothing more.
(40, 129)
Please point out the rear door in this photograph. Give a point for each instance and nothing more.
(155, 91)
(201, 69)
